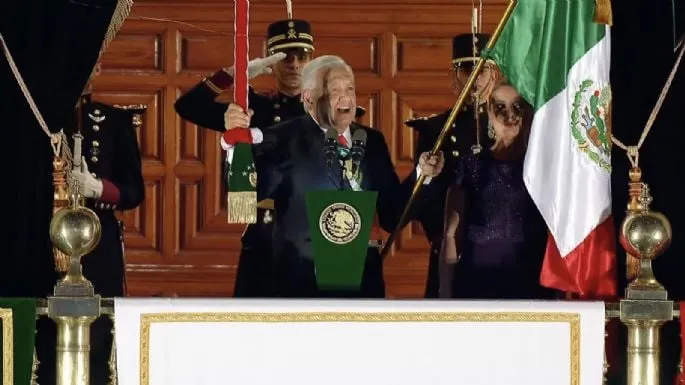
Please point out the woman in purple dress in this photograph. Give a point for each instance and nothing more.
(494, 235)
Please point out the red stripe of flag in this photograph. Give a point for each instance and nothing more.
(589, 271)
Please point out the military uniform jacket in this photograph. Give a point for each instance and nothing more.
(110, 146)
(458, 142)
(199, 106)
(111, 149)
(291, 162)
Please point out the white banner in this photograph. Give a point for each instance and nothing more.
(255, 342)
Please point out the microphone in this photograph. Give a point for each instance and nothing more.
(358, 148)
(331, 146)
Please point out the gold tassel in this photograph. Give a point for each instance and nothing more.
(603, 14)
(61, 200)
(242, 207)
(635, 188)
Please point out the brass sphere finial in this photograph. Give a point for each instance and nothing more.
(645, 234)
(75, 230)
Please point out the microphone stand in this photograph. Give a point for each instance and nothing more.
(341, 162)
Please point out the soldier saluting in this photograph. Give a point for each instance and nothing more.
(290, 46)
(468, 134)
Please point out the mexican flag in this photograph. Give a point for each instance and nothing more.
(556, 55)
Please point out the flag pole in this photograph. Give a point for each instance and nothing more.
(450, 120)
(242, 177)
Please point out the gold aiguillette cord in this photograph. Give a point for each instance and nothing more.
(633, 152)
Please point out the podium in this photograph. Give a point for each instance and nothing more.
(340, 224)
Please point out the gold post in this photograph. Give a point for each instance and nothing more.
(74, 230)
(113, 356)
(645, 234)
(643, 352)
(605, 370)
(35, 363)
(450, 119)
(73, 350)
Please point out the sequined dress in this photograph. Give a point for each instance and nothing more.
(504, 239)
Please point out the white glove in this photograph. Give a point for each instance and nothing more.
(89, 186)
(259, 66)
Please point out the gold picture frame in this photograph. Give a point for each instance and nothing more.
(7, 346)
(572, 319)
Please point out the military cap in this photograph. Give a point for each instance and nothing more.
(422, 121)
(287, 34)
(464, 51)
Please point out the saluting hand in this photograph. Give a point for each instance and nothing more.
(431, 165)
(235, 117)
(259, 66)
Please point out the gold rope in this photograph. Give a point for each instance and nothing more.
(121, 12)
(179, 23)
(62, 157)
(633, 152)
(61, 200)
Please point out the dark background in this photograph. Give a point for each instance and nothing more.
(642, 57)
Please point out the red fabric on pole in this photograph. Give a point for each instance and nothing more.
(241, 52)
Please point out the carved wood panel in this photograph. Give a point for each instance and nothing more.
(178, 242)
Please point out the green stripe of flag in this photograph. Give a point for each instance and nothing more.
(540, 43)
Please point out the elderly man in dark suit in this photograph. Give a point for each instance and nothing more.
(290, 161)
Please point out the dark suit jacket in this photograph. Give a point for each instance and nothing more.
(290, 163)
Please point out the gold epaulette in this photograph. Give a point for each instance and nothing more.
(420, 118)
(138, 111)
(266, 204)
(139, 107)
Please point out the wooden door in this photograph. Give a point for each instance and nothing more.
(178, 242)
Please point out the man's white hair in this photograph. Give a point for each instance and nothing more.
(311, 70)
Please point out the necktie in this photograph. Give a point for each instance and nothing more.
(343, 141)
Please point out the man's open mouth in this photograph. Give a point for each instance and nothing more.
(344, 109)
